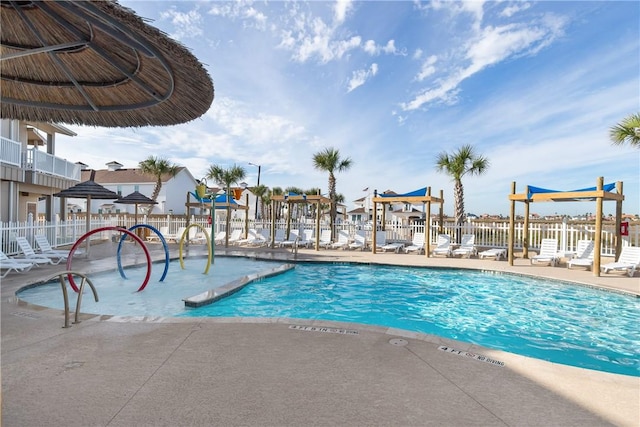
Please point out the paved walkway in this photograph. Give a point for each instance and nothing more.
(108, 371)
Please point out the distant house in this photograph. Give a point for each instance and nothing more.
(124, 181)
(401, 213)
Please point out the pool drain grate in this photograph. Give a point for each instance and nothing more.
(398, 342)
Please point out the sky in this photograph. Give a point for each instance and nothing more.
(534, 87)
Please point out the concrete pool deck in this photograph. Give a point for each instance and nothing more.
(119, 371)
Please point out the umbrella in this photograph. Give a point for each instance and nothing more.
(88, 190)
(136, 198)
(95, 63)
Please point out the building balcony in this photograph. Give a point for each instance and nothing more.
(35, 167)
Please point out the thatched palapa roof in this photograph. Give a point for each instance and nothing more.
(95, 63)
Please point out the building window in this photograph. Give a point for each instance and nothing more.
(119, 190)
(136, 188)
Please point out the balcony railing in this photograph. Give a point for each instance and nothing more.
(42, 162)
(10, 152)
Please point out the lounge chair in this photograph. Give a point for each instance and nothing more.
(381, 239)
(584, 255)
(45, 247)
(496, 253)
(219, 239)
(30, 254)
(294, 236)
(307, 238)
(235, 236)
(153, 237)
(279, 237)
(443, 245)
(253, 239)
(392, 246)
(343, 240)
(417, 245)
(548, 253)
(467, 246)
(629, 260)
(325, 239)
(19, 265)
(359, 241)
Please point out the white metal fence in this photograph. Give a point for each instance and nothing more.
(487, 233)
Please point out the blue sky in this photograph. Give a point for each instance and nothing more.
(533, 86)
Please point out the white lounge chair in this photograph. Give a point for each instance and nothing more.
(443, 245)
(343, 240)
(19, 265)
(279, 238)
(325, 239)
(45, 247)
(307, 239)
(359, 241)
(417, 245)
(584, 255)
(219, 239)
(235, 236)
(497, 253)
(467, 246)
(548, 253)
(392, 246)
(153, 237)
(381, 239)
(253, 239)
(30, 254)
(294, 237)
(629, 260)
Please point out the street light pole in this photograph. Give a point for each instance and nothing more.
(259, 167)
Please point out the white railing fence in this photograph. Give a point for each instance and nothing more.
(488, 233)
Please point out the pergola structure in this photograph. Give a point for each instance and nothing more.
(599, 193)
(421, 196)
(317, 199)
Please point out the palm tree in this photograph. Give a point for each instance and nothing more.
(460, 163)
(627, 131)
(158, 167)
(329, 160)
(260, 191)
(225, 178)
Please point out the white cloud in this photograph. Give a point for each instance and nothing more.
(493, 44)
(512, 9)
(242, 10)
(341, 8)
(186, 25)
(427, 68)
(359, 77)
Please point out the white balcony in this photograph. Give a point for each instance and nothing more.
(33, 160)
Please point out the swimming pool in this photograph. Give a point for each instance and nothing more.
(548, 320)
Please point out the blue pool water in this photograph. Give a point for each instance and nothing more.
(549, 320)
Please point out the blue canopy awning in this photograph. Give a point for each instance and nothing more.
(417, 193)
(537, 190)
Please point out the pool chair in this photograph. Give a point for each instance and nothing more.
(584, 255)
(629, 261)
(417, 244)
(359, 241)
(497, 253)
(467, 246)
(306, 239)
(19, 265)
(219, 239)
(381, 239)
(392, 246)
(279, 237)
(294, 237)
(548, 253)
(45, 247)
(253, 239)
(443, 245)
(343, 240)
(30, 254)
(325, 239)
(235, 236)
